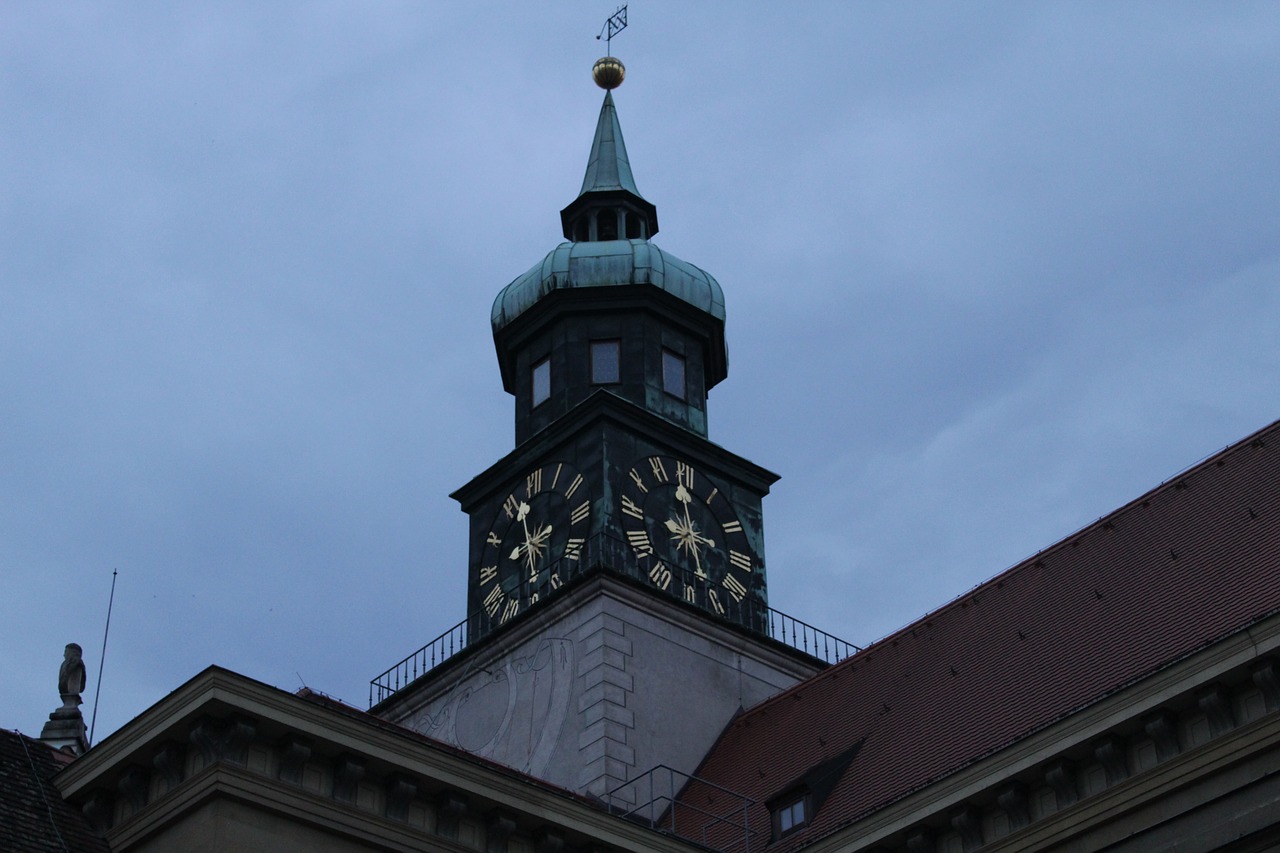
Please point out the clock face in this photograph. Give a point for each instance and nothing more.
(541, 526)
(687, 537)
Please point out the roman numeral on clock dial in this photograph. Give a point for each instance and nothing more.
(734, 587)
(639, 540)
(573, 486)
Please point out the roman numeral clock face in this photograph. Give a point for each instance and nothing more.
(687, 537)
(538, 532)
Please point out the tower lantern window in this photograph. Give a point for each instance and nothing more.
(605, 362)
(673, 374)
(542, 381)
(607, 225)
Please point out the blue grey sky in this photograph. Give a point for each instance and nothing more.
(992, 270)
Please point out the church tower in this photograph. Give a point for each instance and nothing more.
(617, 606)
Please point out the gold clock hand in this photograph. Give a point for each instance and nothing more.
(697, 560)
(522, 513)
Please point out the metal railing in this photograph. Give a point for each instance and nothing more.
(806, 638)
(419, 663)
(605, 553)
(670, 808)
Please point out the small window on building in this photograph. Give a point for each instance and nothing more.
(635, 230)
(790, 813)
(542, 382)
(604, 362)
(673, 374)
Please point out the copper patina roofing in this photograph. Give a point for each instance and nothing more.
(605, 264)
(607, 166)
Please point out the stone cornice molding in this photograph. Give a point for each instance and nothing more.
(222, 694)
(1178, 680)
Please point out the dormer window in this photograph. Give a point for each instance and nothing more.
(542, 382)
(790, 813)
(605, 362)
(673, 374)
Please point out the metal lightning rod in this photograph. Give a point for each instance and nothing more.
(616, 23)
(97, 690)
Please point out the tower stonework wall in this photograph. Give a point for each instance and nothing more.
(599, 688)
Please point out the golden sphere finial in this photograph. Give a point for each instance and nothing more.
(608, 72)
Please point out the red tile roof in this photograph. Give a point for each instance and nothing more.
(1188, 563)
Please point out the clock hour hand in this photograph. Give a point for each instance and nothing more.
(686, 533)
(531, 548)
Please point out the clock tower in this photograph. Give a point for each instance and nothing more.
(609, 345)
(617, 604)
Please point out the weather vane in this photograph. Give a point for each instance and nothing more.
(616, 23)
(608, 70)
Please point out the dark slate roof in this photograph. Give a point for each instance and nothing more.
(33, 816)
(1189, 563)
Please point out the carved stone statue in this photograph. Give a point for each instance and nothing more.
(65, 729)
(71, 676)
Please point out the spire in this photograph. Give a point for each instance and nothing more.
(608, 167)
(609, 205)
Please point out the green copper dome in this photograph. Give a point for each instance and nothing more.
(609, 225)
(604, 264)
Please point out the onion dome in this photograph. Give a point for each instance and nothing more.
(607, 263)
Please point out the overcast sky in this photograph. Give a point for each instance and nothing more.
(992, 271)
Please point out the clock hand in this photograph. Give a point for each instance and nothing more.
(535, 549)
(697, 560)
(522, 513)
(682, 495)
